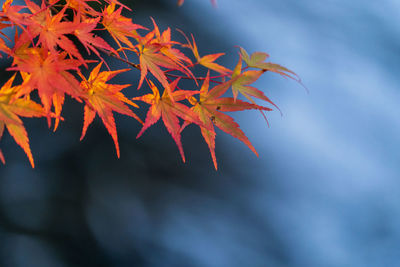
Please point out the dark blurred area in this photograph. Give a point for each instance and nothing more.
(324, 191)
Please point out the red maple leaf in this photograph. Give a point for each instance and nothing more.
(120, 27)
(103, 99)
(209, 109)
(169, 109)
(48, 73)
(12, 107)
(83, 30)
(52, 29)
(207, 60)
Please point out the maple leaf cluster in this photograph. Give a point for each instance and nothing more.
(47, 62)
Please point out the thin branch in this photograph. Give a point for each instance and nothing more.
(111, 54)
(197, 78)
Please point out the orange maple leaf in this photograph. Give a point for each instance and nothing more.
(83, 31)
(256, 60)
(166, 47)
(48, 73)
(241, 83)
(209, 108)
(207, 60)
(120, 27)
(155, 52)
(10, 109)
(51, 30)
(102, 98)
(11, 12)
(167, 108)
(152, 60)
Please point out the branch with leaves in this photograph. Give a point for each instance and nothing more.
(46, 58)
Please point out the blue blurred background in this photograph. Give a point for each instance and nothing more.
(324, 191)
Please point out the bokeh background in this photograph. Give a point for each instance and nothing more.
(324, 191)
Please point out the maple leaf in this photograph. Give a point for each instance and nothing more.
(52, 30)
(38, 13)
(207, 60)
(151, 60)
(157, 52)
(165, 45)
(165, 42)
(102, 99)
(119, 26)
(209, 108)
(10, 109)
(83, 31)
(256, 60)
(241, 83)
(167, 108)
(11, 12)
(48, 73)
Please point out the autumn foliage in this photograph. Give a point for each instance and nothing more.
(47, 62)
